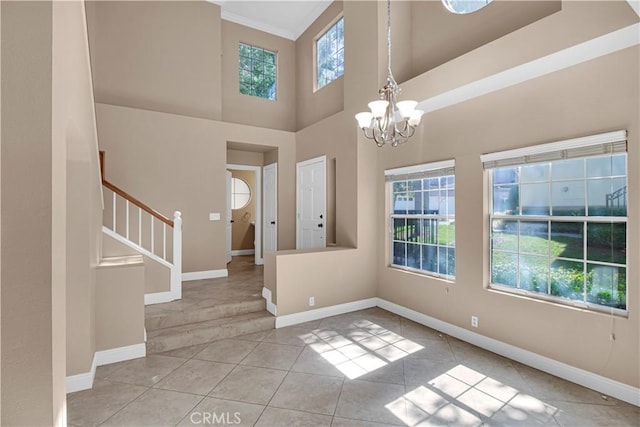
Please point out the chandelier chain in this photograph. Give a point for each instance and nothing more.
(389, 122)
(390, 74)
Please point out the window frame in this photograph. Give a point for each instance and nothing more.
(440, 170)
(240, 70)
(587, 145)
(316, 65)
(234, 193)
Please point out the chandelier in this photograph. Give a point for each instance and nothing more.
(390, 122)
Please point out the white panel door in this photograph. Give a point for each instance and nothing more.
(229, 224)
(311, 203)
(270, 208)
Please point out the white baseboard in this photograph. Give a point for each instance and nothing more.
(587, 379)
(243, 252)
(120, 354)
(158, 297)
(210, 274)
(321, 313)
(84, 381)
(271, 307)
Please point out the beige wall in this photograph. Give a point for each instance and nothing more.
(337, 144)
(243, 233)
(271, 157)
(585, 19)
(32, 366)
(252, 110)
(119, 306)
(159, 55)
(439, 36)
(74, 119)
(548, 108)
(299, 276)
(157, 277)
(312, 105)
(173, 162)
(247, 158)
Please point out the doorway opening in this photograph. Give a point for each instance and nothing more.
(244, 212)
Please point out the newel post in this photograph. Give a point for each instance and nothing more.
(176, 271)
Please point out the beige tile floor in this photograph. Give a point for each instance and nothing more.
(368, 368)
(244, 283)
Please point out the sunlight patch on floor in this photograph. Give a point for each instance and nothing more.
(362, 348)
(465, 397)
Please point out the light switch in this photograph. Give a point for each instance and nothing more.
(214, 216)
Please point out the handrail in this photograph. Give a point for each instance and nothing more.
(137, 202)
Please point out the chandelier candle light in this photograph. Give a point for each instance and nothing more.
(390, 122)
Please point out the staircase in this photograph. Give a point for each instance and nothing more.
(170, 330)
(210, 311)
(147, 232)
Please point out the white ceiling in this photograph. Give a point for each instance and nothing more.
(284, 18)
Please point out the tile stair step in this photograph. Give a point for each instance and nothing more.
(181, 336)
(178, 318)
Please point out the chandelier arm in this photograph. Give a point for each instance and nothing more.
(367, 135)
(377, 138)
(405, 129)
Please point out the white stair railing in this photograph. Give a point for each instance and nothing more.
(136, 225)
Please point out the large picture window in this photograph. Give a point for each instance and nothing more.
(423, 218)
(257, 71)
(330, 54)
(559, 227)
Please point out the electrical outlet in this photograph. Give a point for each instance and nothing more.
(474, 321)
(312, 301)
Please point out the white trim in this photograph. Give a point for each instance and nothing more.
(85, 380)
(271, 307)
(82, 381)
(579, 376)
(261, 26)
(568, 144)
(210, 274)
(444, 164)
(635, 5)
(135, 246)
(583, 52)
(321, 313)
(295, 29)
(266, 168)
(240, 252)
(158, 297)
(257, 171)
(120, 354)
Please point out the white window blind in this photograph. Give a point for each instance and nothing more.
(593, 145)
(427, 170)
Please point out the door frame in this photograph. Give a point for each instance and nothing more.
(259, 260)
(228, 215)
(273, 166)
(299, 165)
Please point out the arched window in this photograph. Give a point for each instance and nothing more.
(465, 6)
(240, 193)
